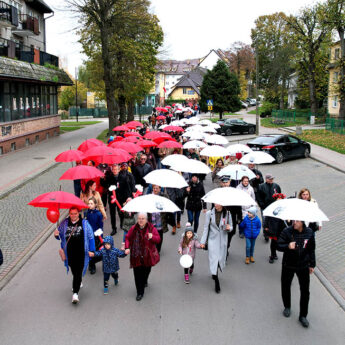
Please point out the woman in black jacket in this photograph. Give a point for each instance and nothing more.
(194, 204)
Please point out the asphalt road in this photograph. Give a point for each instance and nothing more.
(35, 307)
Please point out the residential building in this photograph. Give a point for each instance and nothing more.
(292, 90)
(188, 87)
(333, 93)
(29, 76)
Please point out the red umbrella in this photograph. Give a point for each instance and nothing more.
(57, 200)
(173, 129)
(156, 134)
(133, 134)
(161, 117)
(108, 155)
(70, 156)
(161, 139)
(168, 107)
(173, 104)
(147, 143)
(122, 128)
(81, 172)
(134, 124)
(118, 138)
(159, 108)
(164, 110)
(129, 147)
(131, 140)
(170, 145)
(89, 143)
(170, 115)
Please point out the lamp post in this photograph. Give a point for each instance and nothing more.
(76, 93)
(257, 120)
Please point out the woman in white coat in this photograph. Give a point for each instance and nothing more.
(216, 228)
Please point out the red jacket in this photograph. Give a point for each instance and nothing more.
(143, 253)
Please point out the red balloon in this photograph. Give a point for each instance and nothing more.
(53, 215)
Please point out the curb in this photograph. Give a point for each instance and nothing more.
(330, 288)
(30, 250)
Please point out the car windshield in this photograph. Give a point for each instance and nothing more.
(264, 140)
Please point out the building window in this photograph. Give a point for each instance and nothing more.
(336, 53)
(23, 100)
(27, 142)
(335, 101)
(37, 139)
(47, 136)
(13, 146)
(185, 92)
(335, 77)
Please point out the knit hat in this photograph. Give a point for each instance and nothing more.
(252, 210)
(188, 227)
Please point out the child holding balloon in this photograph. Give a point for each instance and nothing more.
(187, 246)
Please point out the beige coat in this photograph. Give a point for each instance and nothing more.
(99, 201)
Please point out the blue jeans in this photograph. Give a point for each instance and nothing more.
(250, 245)
(193, 216)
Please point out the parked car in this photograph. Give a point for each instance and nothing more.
(244, 105)
(281, 146)
(230, 126)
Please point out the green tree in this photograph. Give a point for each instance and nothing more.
(273, 42)
(335, 18)
(67, 96)
(310, 34)
(222, 87)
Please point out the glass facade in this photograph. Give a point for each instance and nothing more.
(19, 100)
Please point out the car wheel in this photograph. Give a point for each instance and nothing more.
(251, 130)
(279, 157)
(228, 132)
(306, 153)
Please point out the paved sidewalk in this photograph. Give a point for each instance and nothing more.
(18, 167)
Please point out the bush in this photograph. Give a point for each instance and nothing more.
(267, 108)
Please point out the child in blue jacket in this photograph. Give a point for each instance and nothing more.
(110, 256)
(250, 226)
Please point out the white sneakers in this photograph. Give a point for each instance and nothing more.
(75, 298)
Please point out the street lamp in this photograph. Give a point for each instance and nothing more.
(257, 118)
(76, 93)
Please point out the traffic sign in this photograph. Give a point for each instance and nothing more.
(210, 107)
(209, 102)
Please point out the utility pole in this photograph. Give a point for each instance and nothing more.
(257, 122)
(76, 93)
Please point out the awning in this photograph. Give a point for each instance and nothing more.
(15, 69)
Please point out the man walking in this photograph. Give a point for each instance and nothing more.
(298, 244)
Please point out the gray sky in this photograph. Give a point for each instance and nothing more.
(191, 27)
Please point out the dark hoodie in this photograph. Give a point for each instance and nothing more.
(110, 257)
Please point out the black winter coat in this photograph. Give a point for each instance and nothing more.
(124, 182)
(303, 255)
(139, 171)
(255, 182)
(265, 194)
(275, 226)
(194, 202)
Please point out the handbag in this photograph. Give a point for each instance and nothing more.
(153, 254)
(208, 234)
(62, 250)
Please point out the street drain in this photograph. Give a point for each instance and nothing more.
(40, 158)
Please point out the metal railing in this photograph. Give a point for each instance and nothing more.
(29, 23)
(5, 12)
(297, 117)
(46, 58)
(335, 125)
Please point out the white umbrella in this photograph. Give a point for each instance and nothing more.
(162, 126)
(257, 157)
(192, 135)
(176, 123)
(150, 203)
(214, 151)
(166, 178)
(214, 125)
(191, 166)
(194, 144)
(217, 139)
(229, 196)
(171, 159)
(208, 129)
(205, 122)
(196, 128)
(235, 148)
(193, 120)
(295, 209)
(236, 172)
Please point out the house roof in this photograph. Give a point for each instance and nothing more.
(39, 5)
(192, 79)
(177, 66)
(220, 54)
(14, 69)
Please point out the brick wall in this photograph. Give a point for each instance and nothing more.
(23, 133)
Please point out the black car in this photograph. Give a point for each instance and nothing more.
(230, 126)
(281, 146)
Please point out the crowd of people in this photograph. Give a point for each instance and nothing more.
(83, 244)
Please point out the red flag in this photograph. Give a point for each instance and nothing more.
(165, 91)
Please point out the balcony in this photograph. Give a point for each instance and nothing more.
(28, 26)
(21, 52)
(8, 16)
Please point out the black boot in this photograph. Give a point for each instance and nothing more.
(216, 283)
(113, 232)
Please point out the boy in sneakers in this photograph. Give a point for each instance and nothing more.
(110, 256)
